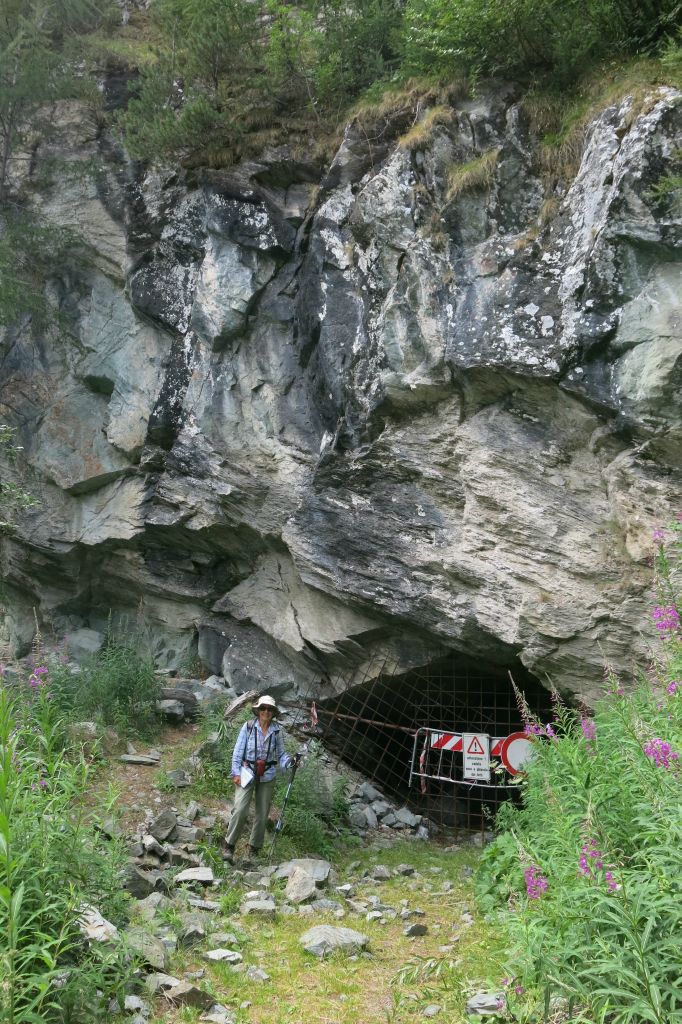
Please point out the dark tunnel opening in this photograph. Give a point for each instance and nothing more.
(404, 732)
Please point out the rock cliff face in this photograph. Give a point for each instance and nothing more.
(294, 416)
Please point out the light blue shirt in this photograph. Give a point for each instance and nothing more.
(252, 745)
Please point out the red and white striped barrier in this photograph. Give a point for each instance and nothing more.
(512, 750)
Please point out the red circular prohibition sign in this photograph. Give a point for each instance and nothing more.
(515, 751)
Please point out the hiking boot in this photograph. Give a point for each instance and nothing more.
(228, 854)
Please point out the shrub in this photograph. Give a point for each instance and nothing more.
(592, 862)
(197, 94)
(314, 813)
(118, 688)
(350, 44)
(227, 75)
(52, 862)
(523, 37)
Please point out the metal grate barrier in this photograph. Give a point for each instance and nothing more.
(390, 726)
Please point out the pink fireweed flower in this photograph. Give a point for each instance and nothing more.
(660, 752)
(666, 618)
(591, 864)
(519, 990)
(658, 535)
(538, 729)
(38, 677)
(673, 687)
(589, 729)
(536, 883)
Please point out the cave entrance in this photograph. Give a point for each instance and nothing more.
(404, 732)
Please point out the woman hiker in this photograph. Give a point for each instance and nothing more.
(257, 752)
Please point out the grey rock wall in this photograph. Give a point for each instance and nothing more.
(293, 416)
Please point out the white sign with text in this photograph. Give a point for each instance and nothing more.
(476, 751)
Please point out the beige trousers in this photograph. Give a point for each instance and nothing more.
(264, 792)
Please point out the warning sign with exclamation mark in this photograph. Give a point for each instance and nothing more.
(476, 750)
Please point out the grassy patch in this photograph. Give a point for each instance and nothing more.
(559, 119)
(394, 981)
(133, 45)
(474, 176)
(421, 132)
(668, 185)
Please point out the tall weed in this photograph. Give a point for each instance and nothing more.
(118, 688)
(591, 863)
(52, 863)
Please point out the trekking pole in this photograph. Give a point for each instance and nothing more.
(280, 823)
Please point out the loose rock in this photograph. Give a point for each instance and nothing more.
(485, 1004)
(324, 939)
(148, 947)
(203, 876)
(96, 928)
(227, 956)
(186, 994)
(300, 886)
(415, 929)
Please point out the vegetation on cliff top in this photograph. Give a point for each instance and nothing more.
(41, 62)
(228, 71)
(215, 81)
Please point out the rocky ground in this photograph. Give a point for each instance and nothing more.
(317, 940)
(230, 944)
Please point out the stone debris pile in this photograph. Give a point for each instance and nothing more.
(370, 810)
(169, 841)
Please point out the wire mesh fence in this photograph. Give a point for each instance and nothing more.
(405, 731)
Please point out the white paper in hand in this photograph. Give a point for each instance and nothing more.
(246, 776)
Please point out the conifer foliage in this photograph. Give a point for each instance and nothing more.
(228, 70)
(38, 65)
(555, 38)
